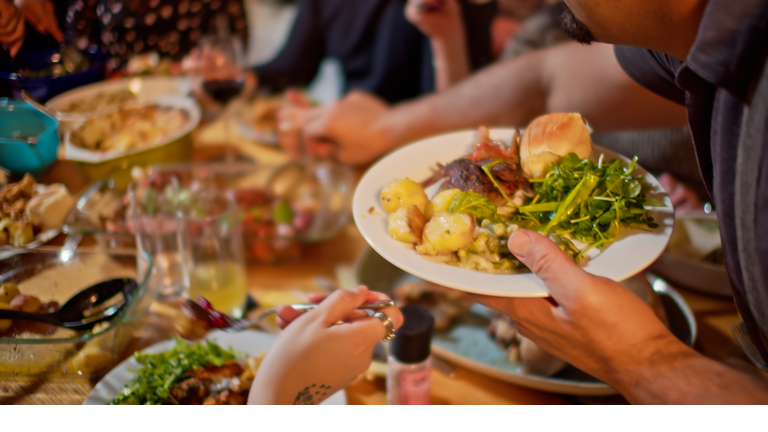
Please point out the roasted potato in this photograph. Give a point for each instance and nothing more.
(441, 201)
(402, 192)
(5, 324)
(25, 303)
(447, 232)
(8, 291)
(406, 224)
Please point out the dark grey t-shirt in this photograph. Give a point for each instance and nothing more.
(715, 84)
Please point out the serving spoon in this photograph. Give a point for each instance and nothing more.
(85, 309)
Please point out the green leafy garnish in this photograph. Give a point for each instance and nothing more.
(587, 201)
(160, 372)
(283, 212)
(474, 204)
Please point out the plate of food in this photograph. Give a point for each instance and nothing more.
(258, 120)
(220, 370)
(442, 208)
(475, 337)
(31, 214)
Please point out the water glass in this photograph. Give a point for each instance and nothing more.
(211, 250)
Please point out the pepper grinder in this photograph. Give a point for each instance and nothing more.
(410, 361)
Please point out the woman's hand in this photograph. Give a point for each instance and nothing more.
(291, 119)
(12, 30)
(683, 198)
(41, 15)
(314, 356)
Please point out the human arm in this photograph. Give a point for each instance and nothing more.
(440, 21)
(604, 329)
(299, 59)
(41, 15)
(314, 357)
(12, 29)
(566, 78)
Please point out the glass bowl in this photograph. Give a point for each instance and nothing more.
(56, 274)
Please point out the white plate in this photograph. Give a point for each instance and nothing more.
(251, 342)
(146, 88)
(629, 255)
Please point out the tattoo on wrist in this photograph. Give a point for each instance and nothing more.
(312, 395)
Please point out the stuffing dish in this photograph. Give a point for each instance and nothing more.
(542, 181)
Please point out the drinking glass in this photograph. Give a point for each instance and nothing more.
(210, 241)
(152, 210)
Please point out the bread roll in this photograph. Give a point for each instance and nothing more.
(550, 137)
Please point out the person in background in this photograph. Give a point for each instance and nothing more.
(12, 30)
(381, 47)
(313, 357)
(125, 28)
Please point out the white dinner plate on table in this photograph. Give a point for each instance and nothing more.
(250, 132)
(632, 253)
(250, 342)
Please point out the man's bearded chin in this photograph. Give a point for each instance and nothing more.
(574, 28)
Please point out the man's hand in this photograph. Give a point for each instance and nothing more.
(41, 15)
(604, 329)
(354, 129)
(683, 198)
(598, 325)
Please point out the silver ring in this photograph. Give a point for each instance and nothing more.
(387, 321)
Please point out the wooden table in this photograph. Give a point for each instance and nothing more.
(334, 260)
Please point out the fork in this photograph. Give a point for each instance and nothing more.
(245, 323)
(740, 333)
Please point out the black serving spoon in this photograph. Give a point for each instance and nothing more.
(85, 309)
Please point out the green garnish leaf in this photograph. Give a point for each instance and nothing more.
(474, 204)
(283, 212)
(160, 372)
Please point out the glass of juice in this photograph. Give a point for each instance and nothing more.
(211, 249)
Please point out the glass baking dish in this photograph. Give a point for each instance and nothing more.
(56, 274)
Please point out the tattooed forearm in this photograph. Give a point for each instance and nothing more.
(312, 395)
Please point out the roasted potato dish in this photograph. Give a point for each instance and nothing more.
(402, 192)
(8, 292)
(442, 201)
(406, 224)
(447, 232)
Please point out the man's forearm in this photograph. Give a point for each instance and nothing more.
(683, 376)
(489, 97)
(566, 78)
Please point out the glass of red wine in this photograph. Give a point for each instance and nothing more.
(221, 75)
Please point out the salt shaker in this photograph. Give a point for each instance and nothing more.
(410, 361)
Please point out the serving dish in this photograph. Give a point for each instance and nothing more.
(684, 262)
(466, 341)
(175, 148)
(103, 95)
(250, 342)
(629, 255)
(56, 274)
(18, 122)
